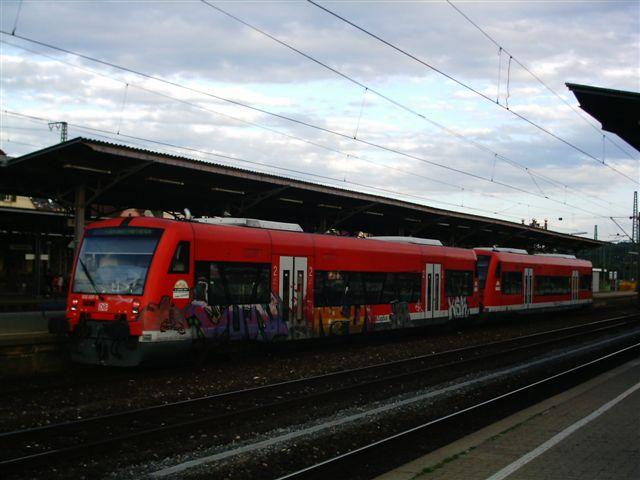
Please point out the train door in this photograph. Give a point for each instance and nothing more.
(528, 287)
(575, 285)
(293, 287)
(433, 289)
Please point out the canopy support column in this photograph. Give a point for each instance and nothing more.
(79, 211)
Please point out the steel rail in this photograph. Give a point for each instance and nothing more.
(335, 462)
(315, 378)
(55, 429)
(90, 375)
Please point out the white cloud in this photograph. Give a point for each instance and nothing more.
(593, 43)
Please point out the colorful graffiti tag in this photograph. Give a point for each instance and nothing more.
(199, 320)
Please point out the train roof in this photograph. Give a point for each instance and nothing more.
(536, 259)
(304, 240)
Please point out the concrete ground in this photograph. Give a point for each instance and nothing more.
(591, 432)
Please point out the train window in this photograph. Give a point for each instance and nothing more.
(330, 289)
(180, 260)
(458, 283)
(115, 260)
(389, 289)
(355, 289)
(511, 283)
(318, 288)
(552, 285)
(498, 269)
(373, 287)
(336, 289)
(236, 283)
(408, 287)
(585, 282)
(482, 267)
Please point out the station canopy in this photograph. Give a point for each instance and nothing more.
(617, 110)
(116, 177)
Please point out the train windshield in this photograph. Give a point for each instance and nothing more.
(483, 268)
(115, 260)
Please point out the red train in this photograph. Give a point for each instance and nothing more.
(514, 281)
(148, 287)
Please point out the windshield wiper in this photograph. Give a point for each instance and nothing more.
(90, 278)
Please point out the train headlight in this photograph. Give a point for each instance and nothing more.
(135, 307)
(74, 304)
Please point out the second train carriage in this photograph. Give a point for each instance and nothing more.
(147, 286)
(511, 280)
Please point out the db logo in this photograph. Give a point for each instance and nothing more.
(103, 307)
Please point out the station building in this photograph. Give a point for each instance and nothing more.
(35, 241)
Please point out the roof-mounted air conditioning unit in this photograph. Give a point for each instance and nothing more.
(414, 240)
(250, 222)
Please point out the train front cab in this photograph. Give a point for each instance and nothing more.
(522, 283)
(129, 274)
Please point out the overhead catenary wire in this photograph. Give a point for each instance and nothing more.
(391, 100)
(506, 99)
(290, 119)
(622, 229)
(499, 74)
(415, 157)
(124, 103)
(247, 122)
(114, 135)
(287, 135)
(537, 78)
(15, 23)
(8, 140)
(32, 129)
(471, 89)
(179, 149)
(127, 139)
(364, 99)
(537, 185)
(294, 137)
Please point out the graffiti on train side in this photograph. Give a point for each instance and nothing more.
(458, 307)
(343, 320)
(275, 321)
(163, 316)
(234, 322)
(350, 319)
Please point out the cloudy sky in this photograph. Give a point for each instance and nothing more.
(380, 121)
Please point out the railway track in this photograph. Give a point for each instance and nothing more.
(365, 459)
(91, 375)
(42, 445)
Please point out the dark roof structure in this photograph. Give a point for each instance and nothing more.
(618, 111)
(116, 177)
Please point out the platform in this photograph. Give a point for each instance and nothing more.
(619, 294)
(31, 303)
(611, 299)
(591, 432)
(25, 324)
(27, 347)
